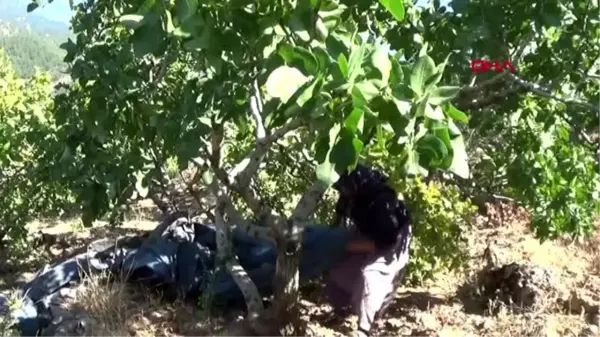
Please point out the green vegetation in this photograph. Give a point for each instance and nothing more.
(271, 100)
(29, 50)
(26, 129)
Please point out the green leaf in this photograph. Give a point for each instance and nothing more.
(290, 54)
(367, 90)
(439, 73)
(453, 129)
(71, 48)
(149, 38)
(355, 121)
(299, 28)
(146, 6)
(181, 33)
(310, 92)
(32, 6)
(185, 9)
(132, 21)
(460, 164)
(422, 71)
(321, 30)
(343, 64)
(434, 113)
(412, 167)
(284, 81)
(322, 57)
(381, 60)
(346, 151)
(326, 173)
(201, 42)
(355, 62)
(169, 23)
(395, 7)
(456, 114)
(431, 144)
(396, 74)
(390, 112)
(443, 94)
(403, 106)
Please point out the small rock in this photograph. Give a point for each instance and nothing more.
(485, 324)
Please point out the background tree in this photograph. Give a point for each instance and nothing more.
(26, 128)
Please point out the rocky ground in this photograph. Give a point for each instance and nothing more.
(514, 286)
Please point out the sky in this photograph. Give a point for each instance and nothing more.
(58, 10)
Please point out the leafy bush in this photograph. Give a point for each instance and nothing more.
(441, 223)
(540, 160)
(26, 133)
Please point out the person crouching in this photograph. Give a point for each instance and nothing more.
(377, 254)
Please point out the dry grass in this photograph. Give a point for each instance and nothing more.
(110, 307)
(7, 319)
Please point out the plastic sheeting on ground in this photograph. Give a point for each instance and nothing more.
(182, 259)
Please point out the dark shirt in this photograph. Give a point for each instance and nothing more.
(371, 205)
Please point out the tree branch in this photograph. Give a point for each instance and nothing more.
(259, 232)
(238, 180)
(541, 91)
(244, 282)
(485, 101)
(476, 87)
(256, 110)
(308, 202)
(248, 167)
(305, 207)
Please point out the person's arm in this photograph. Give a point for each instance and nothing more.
(361, 246)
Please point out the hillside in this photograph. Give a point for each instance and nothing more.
(31, 40)
(29, 48)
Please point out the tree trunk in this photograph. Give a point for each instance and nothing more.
(287, 280)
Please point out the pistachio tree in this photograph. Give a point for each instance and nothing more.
(26, 132)
(533, 132)
(155, 79)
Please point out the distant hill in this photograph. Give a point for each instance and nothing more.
(29, 48)
(31, 39)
